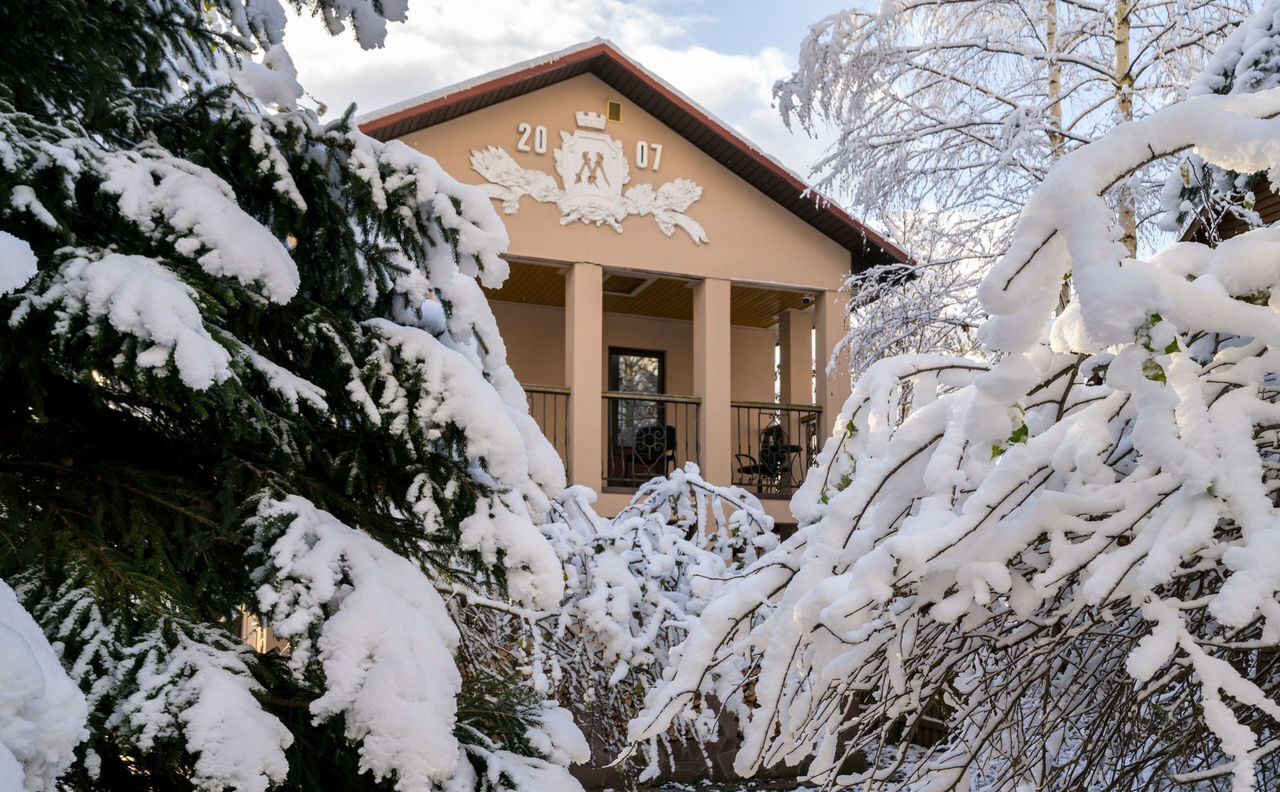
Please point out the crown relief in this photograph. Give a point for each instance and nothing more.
(590, 120)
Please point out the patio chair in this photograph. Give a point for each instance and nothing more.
(654, 452)
(772, 472)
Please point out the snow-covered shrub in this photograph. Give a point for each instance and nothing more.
(633, 583)
(904, 308)
(248, 362)
(1067, 556)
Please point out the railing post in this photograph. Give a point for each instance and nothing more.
(711, 377)
(583, 365)
(833, 389)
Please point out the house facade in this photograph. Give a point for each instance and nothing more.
(674, 292)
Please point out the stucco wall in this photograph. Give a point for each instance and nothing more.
(753, 366)
(534, 335)
(752, 238)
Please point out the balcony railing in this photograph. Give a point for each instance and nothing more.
(550, 409)
(648, 435)
(776, 444)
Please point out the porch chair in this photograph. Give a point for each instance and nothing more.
(772, 472)
(654, 452)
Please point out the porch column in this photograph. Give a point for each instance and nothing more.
(795, 356)
(583, 353)
(832, 390)
(711, 377)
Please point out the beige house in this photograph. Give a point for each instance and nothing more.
(670, 283)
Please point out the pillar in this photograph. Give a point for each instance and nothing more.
(711, 378)
(583, 351)
(833, 389)
(795, 356)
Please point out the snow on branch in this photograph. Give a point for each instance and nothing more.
(264, 20)
(636, 584)
(200, 214)
(138, 297)
(1055, 570)
(176, 685)
(201, 693)
(42, 713)
(1064, 225)
(374, 626)
(448, 389)
(1203, 192)
(959, 108)
(944, 117)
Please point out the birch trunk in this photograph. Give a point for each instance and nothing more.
(1124, 112)
(1056, 138)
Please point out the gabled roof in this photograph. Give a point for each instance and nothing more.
(650, 93)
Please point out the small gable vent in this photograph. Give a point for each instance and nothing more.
(613, 111)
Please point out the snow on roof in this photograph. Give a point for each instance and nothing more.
(496, 74)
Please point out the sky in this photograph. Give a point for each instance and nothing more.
(725, 54)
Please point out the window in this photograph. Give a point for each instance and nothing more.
(641, 444)
(634, 371)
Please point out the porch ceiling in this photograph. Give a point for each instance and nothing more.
(665, 298)
(754, 306)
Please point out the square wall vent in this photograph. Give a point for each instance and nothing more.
(624, 284)
(613, 111)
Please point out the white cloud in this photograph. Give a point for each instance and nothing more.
(447, 41)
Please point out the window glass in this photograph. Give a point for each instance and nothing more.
(634, 371)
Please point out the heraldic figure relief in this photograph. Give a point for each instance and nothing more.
(593, 169)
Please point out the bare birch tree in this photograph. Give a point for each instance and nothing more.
(948, 113)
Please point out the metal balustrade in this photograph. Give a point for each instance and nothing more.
(647, 435)
(550, 409)
(775, 445)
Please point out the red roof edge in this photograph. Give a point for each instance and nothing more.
(604, 49)
(376, 125)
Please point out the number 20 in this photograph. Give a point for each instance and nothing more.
(539, 134)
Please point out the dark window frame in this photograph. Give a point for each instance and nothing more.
(659, 354)
(618, 472)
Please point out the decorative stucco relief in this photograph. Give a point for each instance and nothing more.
(593, 170)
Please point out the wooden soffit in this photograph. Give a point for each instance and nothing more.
(661, 298)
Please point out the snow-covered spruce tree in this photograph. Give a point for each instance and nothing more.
(248, 363)
(1067, 557)
(42, 712)
(947, 115)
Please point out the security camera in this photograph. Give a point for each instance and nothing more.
(807, 299)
